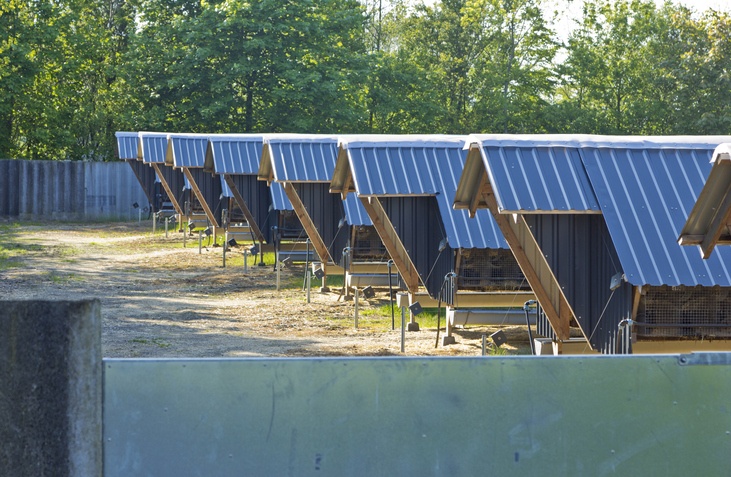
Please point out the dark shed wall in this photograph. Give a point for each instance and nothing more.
(582, 256)
(176, 181)
(419, 226)
(325, 209)
(258, 200)
(146, 177)
(211, 189)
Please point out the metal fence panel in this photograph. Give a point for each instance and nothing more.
(631, 415)
(68, 190)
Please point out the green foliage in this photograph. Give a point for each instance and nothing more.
(72, 72)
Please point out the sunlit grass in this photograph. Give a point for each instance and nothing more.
(12, 253)
(63, 278)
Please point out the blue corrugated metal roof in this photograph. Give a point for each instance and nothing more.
(645, 188)
(355, 213)
(536, 178)
(153, 147)
(421, 166)
(187, 150)
(302, 158)
(646, 195)
(235, 154)
(127, 144)
(280, 201)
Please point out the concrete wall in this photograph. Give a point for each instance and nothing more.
(50, 388)
(68, 190)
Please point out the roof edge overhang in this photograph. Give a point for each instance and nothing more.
(266, 168)
(468, 194)
(209, 164)
(388, 196)
(551, 212)
(403, 140)
(707, 224)
(342, 177)
(596, 141)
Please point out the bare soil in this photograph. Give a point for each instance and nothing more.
(162, 300)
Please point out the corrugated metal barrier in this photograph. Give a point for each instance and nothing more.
(664, 415)
(69, 190)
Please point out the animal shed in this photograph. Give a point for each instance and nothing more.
(406, 184)
(340, 231)
(152, 151)
(235, 158)
(593, 221)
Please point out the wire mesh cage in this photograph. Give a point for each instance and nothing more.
(290, 226)
(367, 245)
(685, 312)
(489, 269)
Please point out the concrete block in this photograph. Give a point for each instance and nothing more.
(50, 388)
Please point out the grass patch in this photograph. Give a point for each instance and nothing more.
(379, 317)
(9, 228)
(64, 279)
(151, 342)
(12, 253)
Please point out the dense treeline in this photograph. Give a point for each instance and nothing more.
(72, 72)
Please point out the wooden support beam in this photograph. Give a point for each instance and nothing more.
(718, 225)
(168, 191)
(244, 208)
(346, 185)
(196, 190)
(636, 296)
(477, 197)
(534, 266)
(299, 208)
(391, 241)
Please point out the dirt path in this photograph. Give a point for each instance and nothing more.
(162, 300)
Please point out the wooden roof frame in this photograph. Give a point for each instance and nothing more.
(709, 222)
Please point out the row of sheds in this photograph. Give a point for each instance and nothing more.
(592, 221)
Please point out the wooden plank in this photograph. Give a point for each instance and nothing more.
(346, 185)
(201, 198)
(391, 241)
(474, 203)
(469, 299)
(636, 296)
(718, 225)
(244, 208)
(534, 267)
(168, 191)
(299, 208)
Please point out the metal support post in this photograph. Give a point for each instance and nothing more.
(167, 221)
(390, 293)
(307, 265)
(403, 329)
(200, 242)
(357, 295)
(278, 267)
(308, 280)
(246, 259)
